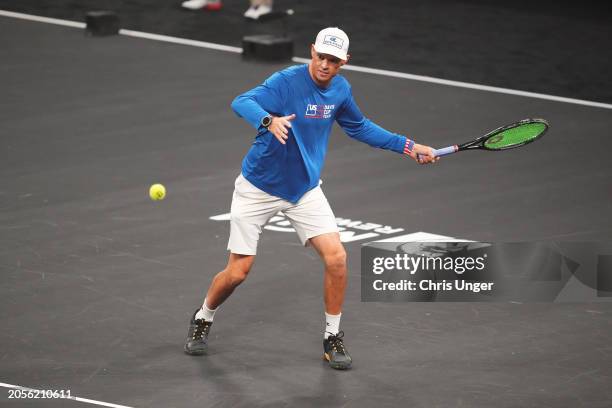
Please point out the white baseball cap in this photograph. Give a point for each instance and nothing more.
(332, 41)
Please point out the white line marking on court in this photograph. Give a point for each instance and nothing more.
(39, 19)
(85, 400)
(182, 41)
(422, 237)
(374, 71)
(468, 85)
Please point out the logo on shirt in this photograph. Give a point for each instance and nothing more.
(319, 111)
(333, 41)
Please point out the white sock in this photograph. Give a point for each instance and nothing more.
(332, 324)
(205, 313)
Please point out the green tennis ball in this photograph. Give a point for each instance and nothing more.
(157, 192)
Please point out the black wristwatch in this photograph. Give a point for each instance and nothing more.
(266, 121)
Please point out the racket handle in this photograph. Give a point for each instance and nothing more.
(443, 151)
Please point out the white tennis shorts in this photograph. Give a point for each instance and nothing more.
(253, 208)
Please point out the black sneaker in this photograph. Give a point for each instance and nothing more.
(336, 353)
(197, 336)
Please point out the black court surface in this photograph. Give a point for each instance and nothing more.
(98, 282)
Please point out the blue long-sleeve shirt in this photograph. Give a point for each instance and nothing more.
(289, 171)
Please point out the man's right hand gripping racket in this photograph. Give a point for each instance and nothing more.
(506, 137)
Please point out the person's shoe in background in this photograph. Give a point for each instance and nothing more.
(211, 5)
(254, 12)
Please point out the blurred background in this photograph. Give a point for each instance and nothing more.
(554, 47)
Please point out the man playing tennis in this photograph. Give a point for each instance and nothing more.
(293, 112)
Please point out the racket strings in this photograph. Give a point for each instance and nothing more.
(515, 136)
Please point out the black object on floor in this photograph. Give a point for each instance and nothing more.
(102, 23)
(267, 47)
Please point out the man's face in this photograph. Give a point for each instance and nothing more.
(324, 67)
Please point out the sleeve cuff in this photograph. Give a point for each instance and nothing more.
(408, 146)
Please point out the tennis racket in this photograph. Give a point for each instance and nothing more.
(506, 137)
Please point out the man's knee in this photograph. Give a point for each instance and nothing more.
(237, 275)
(336, 260)
(238, 269)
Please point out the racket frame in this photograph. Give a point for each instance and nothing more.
(479, 143)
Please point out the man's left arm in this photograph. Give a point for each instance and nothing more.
(357, 126)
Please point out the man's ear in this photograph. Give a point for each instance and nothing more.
(348, 57)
